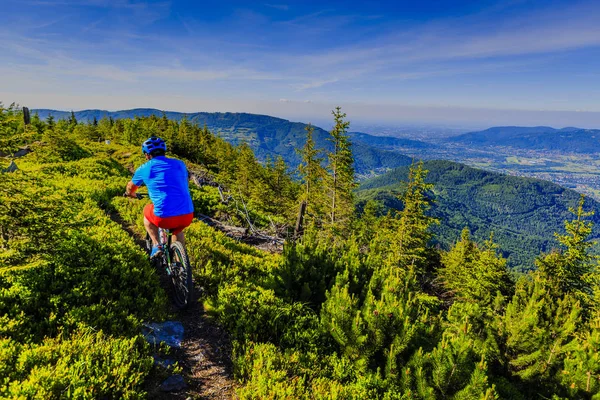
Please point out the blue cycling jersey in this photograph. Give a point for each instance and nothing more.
(167, 182)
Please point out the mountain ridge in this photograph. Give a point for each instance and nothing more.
(521, 212)
(267, 136)
(567, 139)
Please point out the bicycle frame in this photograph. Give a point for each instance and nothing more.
(175, 261)
(166, 237)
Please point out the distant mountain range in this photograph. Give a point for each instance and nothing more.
(570, 139)
(389, 142)
(268, 136)
(523, 213)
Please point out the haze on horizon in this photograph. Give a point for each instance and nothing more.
(470, 63)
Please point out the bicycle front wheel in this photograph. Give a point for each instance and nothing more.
(181, 276)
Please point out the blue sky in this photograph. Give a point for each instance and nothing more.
(455, 62)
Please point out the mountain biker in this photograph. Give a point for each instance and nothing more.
(167, 182)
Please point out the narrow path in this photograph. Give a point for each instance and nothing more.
(205, 352)
(204, 357)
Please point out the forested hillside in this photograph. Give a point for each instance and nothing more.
(353, 308)
(389, 142)
(267, 136)
(521, 213)
(565, 140)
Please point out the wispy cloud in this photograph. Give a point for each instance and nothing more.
(276, 50)
(314, 84)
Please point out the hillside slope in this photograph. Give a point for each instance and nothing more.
(356, 308)
(523, 213)
(535, 138)
(267, 136)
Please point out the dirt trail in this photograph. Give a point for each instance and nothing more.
(204, 357)
(205, 351)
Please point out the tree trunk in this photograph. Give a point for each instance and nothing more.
(26, 116)
(299, 222)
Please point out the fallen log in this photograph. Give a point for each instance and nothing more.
(237, 230)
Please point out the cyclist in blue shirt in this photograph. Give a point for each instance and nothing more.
(167, 182)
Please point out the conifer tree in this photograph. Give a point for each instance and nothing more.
(50, 124)
(539, 328)
(245, 171)
(366, 227)
(183, 140)
(206, 141)
(543, 323)
(581, 373)
(404, 239)
(475, 274)
(104, 130)
(341, 181)
(72, 120)
(414, 222)
(569, 271)
(312, 175)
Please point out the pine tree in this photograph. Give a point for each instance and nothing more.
(570, 271)
(312, 175)
(72, 120)
(539, 329)
(475, 274)
(50, 124)
(341, 181)
(404, 239)
(245, 171)
(414, 222)
(581, 373)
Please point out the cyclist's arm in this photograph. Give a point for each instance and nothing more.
(136, 181)
(131, 189)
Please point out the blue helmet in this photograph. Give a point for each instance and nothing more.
(154, 143)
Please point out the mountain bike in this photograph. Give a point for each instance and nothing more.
(175, 261)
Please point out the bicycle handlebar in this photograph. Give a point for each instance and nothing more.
(138, 196)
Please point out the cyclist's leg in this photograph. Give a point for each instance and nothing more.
(151, 228)
(180, 237)
(183, 221)
(152, 231)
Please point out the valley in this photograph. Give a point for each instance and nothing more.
(579, 171)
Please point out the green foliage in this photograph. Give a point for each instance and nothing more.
(370, 309)
(538, 328)
(340, 182)
(267, 136)
(66, 269)
(85, 365)
(581, 373)
(475, 274)
(570, 271)
(13, 132)
(312, 174)
(522, 213)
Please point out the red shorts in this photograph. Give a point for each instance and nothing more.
(175, 224)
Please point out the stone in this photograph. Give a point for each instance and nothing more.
(169, 332)
(22, 152)
(173, 383)
(11, 168)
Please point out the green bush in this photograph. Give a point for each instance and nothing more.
(84, 365)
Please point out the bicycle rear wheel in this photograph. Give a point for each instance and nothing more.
(181, 276)
(148, 244)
